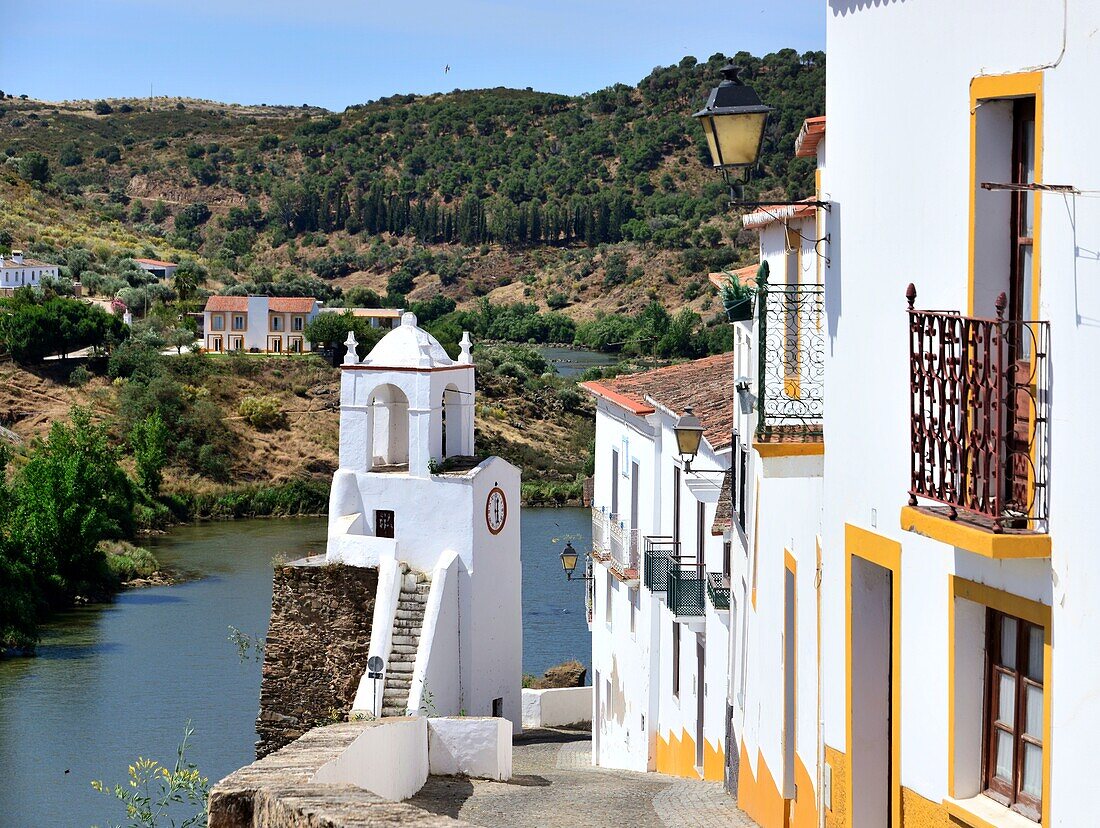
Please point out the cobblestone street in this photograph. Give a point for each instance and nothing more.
(554, 785)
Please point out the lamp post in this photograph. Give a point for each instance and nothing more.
(733, 121)
(689, 433)
(569, 557)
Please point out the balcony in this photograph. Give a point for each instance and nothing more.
(659, 552)
(979, 398)
(601, 534)
(616, 546)
(718, 590)
(687, 587)
(790, 400)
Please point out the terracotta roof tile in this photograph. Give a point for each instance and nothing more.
(723, 512)
(766, 215)
(704, 384)
(290, 304)
(813, 130)
(156, 263)
(226, 303)
(745, 275)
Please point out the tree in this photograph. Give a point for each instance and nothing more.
(332, 329)
(102, 108)
(71, 494)
(149, 443)
(180, 338)
(188, 276)
(36, 328)
(34, 166)
(17, 593)
(109, 153)
(69, 155)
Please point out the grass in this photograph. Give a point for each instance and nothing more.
(127, 561)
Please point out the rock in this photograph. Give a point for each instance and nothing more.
(569, 674)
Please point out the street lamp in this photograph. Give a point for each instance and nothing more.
(733, 121)
(569, 557)
(689, 433)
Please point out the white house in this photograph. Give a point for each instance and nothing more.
(270, 324)
(18, 271)
(160, 269)
(441, 526)
(386, 318)
(959, 640)
(660, 594)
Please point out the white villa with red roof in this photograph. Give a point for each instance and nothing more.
(18, 271)
(265, 324)
(162, 270)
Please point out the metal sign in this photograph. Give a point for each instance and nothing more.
(374, 664)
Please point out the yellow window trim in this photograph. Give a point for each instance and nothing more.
(880, 550)
(1009, 603)
(788, 449)
(999, 546)
(992, 87)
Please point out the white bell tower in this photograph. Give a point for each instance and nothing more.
(444, 536)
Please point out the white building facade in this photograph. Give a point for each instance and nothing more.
(958, 637)
(660, 594)
(18, 271)
(266, 324)
(441, 527)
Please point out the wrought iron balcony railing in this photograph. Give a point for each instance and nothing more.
(979, 399)
(599, 528)
(791, 372)
(687, 586)
(718, 589)
(659, 552)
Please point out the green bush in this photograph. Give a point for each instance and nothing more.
(125, 561)
(263, 413)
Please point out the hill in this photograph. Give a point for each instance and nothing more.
(585, 204)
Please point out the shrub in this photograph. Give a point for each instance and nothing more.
(79, 376)
(102, 108)
(125, 561)
(263, 413)
(109, 153)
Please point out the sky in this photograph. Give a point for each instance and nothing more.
(335, 53)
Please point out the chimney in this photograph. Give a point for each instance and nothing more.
(17, 256)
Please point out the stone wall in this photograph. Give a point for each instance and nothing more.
(316, 648)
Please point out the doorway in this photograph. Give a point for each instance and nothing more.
(874, 680)
(700, 699)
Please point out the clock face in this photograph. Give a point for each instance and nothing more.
(496, 510)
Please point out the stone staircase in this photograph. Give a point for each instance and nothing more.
(407, 623)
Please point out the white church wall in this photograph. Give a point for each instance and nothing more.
(435, 681)
(368, 696)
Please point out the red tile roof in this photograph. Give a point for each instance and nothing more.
(745, 275)
(813, 130)
(226, 303)
(704, 384)
(156, 263)
(766, 215)
(290, 304)
(278, 304)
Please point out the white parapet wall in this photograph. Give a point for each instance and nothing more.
(471, 746)
(389, 759)
(368, 696)
(557, 707)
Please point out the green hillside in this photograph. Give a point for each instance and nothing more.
(568, 200)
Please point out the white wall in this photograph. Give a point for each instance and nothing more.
(478, 747)
(389, 758)
(556, 707)
(898, 180)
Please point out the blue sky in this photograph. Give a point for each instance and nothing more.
(338, 52)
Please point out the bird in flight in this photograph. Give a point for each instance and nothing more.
(446, 69)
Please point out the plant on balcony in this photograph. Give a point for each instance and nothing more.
(737, 298)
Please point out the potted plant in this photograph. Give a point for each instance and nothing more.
(737, 299)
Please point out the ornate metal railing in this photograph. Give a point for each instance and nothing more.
(618, 546)
(791, 372)
(601, 532)
(659, 551)
(589, 589)
(718, 589)
(687, 586)
(979, 398)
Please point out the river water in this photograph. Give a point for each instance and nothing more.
(568, 362)
(112, 682)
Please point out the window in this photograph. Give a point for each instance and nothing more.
(726, 549)
(742, 475)
(700, 532)
(383, 523)
(276, 323)
(238, 322)
(675, 659)
(275, 345)
(614, 481)
(633, 610)
(217, 323)
(1013, 756)
(296, 344)
(676, 506)
(236, 343)
(607, 598)
(791, 345)
(299, 323)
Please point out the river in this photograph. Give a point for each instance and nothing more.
(568, 362)
(112, 682)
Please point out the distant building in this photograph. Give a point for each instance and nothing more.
(386, 318)
(18, 271)
(267, 324)
(162, 270)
